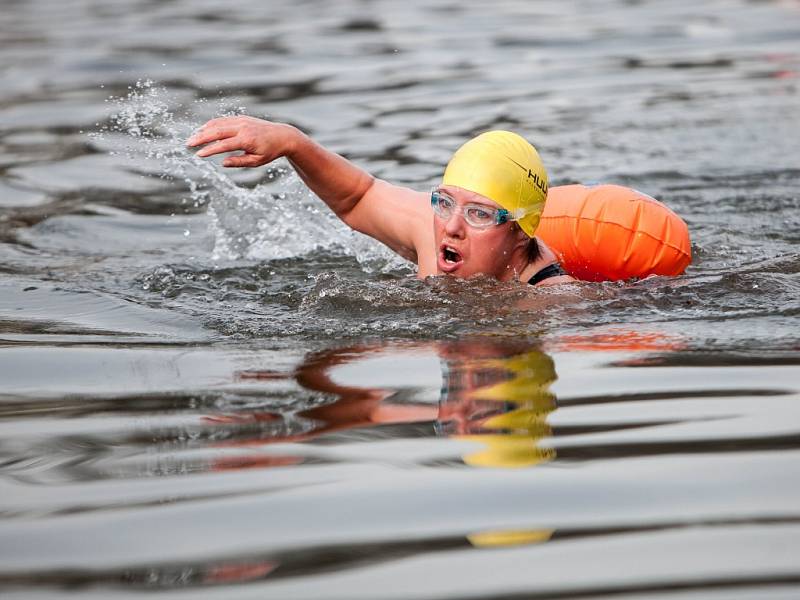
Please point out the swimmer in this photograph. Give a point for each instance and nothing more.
(480, 220)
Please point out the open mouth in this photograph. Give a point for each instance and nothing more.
(449, 258)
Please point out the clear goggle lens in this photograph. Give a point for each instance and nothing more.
(478, 216)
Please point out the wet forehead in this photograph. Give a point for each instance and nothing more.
(466, 197)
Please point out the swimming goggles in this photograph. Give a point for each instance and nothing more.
(478, 216)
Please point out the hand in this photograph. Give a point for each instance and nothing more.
(259, 141)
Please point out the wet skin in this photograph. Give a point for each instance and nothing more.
(464, 251)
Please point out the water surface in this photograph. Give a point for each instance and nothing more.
(211, 388)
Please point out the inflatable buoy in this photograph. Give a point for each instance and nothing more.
(611, 232)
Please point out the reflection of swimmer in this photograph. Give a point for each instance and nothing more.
(500, 399)
(355, 406)
(485, 211)
(493, 393)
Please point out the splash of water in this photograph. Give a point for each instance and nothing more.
(275, 219)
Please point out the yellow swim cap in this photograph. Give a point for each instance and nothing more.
(503, 167)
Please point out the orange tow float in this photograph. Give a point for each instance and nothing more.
(611, 232)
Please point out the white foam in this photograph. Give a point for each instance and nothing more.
(277, 218)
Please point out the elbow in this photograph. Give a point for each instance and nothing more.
(349, 212)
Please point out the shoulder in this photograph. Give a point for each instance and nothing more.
(545, 270)
(398, 216)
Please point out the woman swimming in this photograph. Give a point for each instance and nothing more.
(481, 219)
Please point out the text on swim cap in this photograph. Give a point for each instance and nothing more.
(537, 181)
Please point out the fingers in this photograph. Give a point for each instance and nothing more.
(226, 145)
(229, 134)
(211, 134)
(217, 129)
(244, 160)
(221, 128)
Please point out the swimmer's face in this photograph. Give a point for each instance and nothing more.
(464, 251)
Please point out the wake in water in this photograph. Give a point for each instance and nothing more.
(276, 218)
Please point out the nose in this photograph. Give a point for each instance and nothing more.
(455, 226)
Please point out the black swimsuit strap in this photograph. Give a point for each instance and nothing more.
(551, 270)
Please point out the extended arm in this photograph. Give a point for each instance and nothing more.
(397, 216)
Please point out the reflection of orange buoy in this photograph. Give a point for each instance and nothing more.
(610, 232)
(619, 339)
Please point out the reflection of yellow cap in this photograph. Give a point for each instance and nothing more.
(511, 537)
(532, 374)
(507, 451)
(519, 430)
(503, 167)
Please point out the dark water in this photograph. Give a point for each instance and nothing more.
(212, 389)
